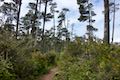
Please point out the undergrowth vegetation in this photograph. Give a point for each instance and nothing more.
(19, 60)
(89, 61)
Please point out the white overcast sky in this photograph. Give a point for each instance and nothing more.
(80, 28)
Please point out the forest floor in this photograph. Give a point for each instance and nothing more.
(49, 75)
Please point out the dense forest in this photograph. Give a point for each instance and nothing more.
(31, 51)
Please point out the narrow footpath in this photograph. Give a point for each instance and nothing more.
(50, 74)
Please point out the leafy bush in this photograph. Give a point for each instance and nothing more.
(96, 62)
(5, 70)
(20, 60)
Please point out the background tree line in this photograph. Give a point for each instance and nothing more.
(40, 12)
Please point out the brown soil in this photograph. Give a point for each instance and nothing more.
(49, 75)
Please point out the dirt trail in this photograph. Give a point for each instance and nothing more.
(50, 74)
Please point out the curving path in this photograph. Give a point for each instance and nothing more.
(50, 74)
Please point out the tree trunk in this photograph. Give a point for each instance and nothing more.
(113, 23)
(34, 21)
(44, 20)
(54, 23)
(18, 17)
(106, 22)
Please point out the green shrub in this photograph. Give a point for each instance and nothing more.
(96, 62)
(5, 70)
(25, 60)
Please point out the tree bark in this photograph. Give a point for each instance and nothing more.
(106, 22)
(18, 17)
